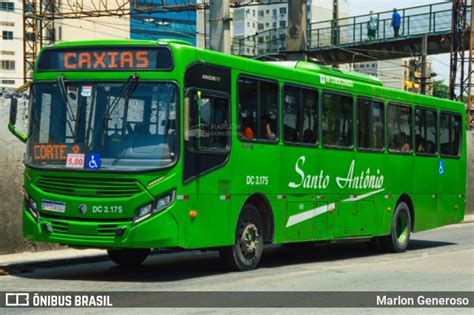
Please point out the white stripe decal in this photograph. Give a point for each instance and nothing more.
(300, 217)
(364, 196)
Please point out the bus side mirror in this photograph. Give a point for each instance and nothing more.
(13, 111)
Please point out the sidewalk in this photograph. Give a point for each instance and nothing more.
(82, 254)
(50, 255)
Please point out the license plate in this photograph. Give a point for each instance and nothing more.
(54, 206)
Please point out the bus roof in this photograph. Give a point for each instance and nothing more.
(310, 73)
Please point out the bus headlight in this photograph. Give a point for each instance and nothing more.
(155, 207)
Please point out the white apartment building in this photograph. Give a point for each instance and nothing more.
(11, 43)
(268, 22)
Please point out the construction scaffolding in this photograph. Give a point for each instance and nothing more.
(39, 18)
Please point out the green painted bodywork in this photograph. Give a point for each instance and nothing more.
(436, 199)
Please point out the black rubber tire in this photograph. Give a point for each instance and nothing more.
(128, 257)
(233, 256)
(399, 237)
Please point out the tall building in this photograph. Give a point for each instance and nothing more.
(176, 25)
(11, 44)
(266, 24)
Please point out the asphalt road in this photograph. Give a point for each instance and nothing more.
(437, 260)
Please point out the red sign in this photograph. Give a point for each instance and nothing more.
(106, 60)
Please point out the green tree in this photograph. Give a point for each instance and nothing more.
(440, 89)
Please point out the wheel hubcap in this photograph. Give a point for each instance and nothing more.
(402, 228)
(249, 239)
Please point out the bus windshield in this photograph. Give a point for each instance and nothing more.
(123, 126)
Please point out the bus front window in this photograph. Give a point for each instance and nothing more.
(127, 126)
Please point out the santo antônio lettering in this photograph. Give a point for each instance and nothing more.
(137, 59)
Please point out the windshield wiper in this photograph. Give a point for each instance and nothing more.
(70, 115)
(126, 90)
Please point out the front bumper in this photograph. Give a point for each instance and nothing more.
(159, 231)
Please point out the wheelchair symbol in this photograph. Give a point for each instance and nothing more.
(441, 168)
(93, 161)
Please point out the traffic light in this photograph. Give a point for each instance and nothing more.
(414, 75)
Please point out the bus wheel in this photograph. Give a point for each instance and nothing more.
(129, 256)
(247, 251)
(399, 237)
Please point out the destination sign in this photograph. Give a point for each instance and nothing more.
(106, 59)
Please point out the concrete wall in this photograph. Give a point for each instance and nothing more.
(11, 170)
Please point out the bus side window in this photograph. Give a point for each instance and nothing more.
(258, 110)
(300, 120)
(450, 134)
(208, 123)
(310, 117)
(425, 131)
(399, 128)
(370, 124)
(291, 114)
(337, 121)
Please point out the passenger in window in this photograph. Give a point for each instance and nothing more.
(430, 147)
(420, 147)
(405, 148)
(247, 128)
(269, 127)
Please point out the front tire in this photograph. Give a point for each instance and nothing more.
(128, 257)
(247, 250)
(399, 237)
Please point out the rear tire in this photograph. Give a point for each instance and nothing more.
(399, 237)
(129, 256)
(247, 250)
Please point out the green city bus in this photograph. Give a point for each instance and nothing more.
(141, 145)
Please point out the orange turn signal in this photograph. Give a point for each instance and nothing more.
(193, 213)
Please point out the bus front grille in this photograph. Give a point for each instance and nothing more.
(100, 230)
(89, 187)
(59, 227)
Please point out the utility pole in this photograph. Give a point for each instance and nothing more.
(297, 29)
(219, 26)
(201, 27)
(424, 66)
(335, 17)
(469, 74)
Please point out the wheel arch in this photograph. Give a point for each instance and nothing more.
(406, 198)
(265, 209)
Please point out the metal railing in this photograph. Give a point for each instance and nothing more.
(427, 19)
